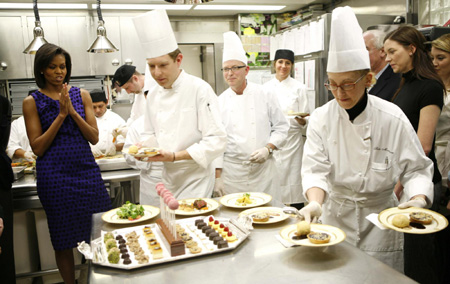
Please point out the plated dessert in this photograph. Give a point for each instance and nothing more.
(312, 235)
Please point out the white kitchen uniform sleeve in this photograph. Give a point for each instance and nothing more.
(18, 138)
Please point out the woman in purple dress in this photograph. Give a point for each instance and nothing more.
(60, 122)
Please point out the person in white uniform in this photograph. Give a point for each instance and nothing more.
(255, 127)
(18, 145)
(151, 173)
(293, 98)
(107, 121)
(182, 116)
(358, 146)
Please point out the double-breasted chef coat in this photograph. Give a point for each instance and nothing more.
(292, 96)
(186, 117)
(358, 164)
(106, 124)
(252, 120)
(18, 138)
(150, 172)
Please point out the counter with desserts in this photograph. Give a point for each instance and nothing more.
(257, 257)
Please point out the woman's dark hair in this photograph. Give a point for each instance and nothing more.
(44, 56)
(422, 66)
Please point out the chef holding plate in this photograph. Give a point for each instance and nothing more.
(358, 146)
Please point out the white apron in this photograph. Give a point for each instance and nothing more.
(242, 176)
(147, 186)
(347, 211)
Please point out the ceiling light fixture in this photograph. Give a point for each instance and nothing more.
(145, 7)
(43, 6)
(38, 33)
(101, 44)
(240, 7)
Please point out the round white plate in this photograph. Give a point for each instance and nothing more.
(211, 204)
(302, 114)
(111, 215)
(336, 235)
(258, 198)
(439, 222)
(139, 155)
(275, 214)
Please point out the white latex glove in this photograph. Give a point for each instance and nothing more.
(218, 187)
(313, 209)
(415, 202)
(120, 131)
(260, 155)
(29, 156)
(110, 149)
(96, 151)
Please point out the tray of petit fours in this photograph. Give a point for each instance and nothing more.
(146, 245)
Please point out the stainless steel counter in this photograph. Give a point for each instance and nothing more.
(259, 259)
(25, 194)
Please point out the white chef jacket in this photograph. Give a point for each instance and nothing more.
(186, 117)
(292, 96)
(106, 124)
(252, 120)
(18, 138)
(137, 108)
(358, 164)
(442, 145)
(151, 173)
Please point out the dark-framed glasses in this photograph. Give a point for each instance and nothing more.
(344, 87)
(232, 69)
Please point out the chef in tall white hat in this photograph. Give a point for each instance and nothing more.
(255, 127)
(358, 146)
(182, 116)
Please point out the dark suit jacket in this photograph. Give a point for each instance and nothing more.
(387, 84)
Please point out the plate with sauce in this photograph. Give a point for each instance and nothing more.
(336, 235)
(438, 223)
(275, 214)
(254, 199)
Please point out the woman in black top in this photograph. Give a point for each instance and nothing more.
(7, 271)
(420, 96)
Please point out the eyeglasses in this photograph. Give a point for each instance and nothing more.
(232, 69)
(344, 87)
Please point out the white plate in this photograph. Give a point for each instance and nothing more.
(258, 198)
(140, 155)
(336, 235)
(302, 114)
(275, 214)
(439, 222)
(211, 204)
(111, 215)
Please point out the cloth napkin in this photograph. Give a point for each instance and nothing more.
(374, 219)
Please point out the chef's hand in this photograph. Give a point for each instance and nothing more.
(311, 211)
(416, 201)
(29, 156)
(300, 120)
(96, 151)
(260, 155)
(110, 149)
(120, 131)
(163, 156)
(218, 187)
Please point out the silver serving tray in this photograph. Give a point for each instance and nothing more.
(100, 255)
(18, 172)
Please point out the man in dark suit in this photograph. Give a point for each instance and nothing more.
(387, 81)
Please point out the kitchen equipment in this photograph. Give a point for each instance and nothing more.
(18, 172)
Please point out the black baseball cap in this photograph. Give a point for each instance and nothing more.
(123, 74)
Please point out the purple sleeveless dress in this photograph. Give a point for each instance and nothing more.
(69, 183)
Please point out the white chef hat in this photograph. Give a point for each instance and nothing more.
(347, 50)
(232, 48)
(155, 33)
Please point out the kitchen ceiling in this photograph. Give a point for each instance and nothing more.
(291, 5)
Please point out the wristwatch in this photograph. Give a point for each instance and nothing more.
(270, 150)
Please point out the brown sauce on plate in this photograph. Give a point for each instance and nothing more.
(295, 237)
(417, 225)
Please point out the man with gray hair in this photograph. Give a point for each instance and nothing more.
(387, 81)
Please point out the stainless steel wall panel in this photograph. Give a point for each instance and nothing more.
(12, 47)
(132, 50)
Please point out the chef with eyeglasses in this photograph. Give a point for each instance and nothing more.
(255, 126)
(358, 146)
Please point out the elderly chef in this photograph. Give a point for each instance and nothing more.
(182, 116)
(107, 121)
(357, 147)
(255, 127)
(293, 98)
(19, 145)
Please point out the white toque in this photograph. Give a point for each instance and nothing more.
(232, 48)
